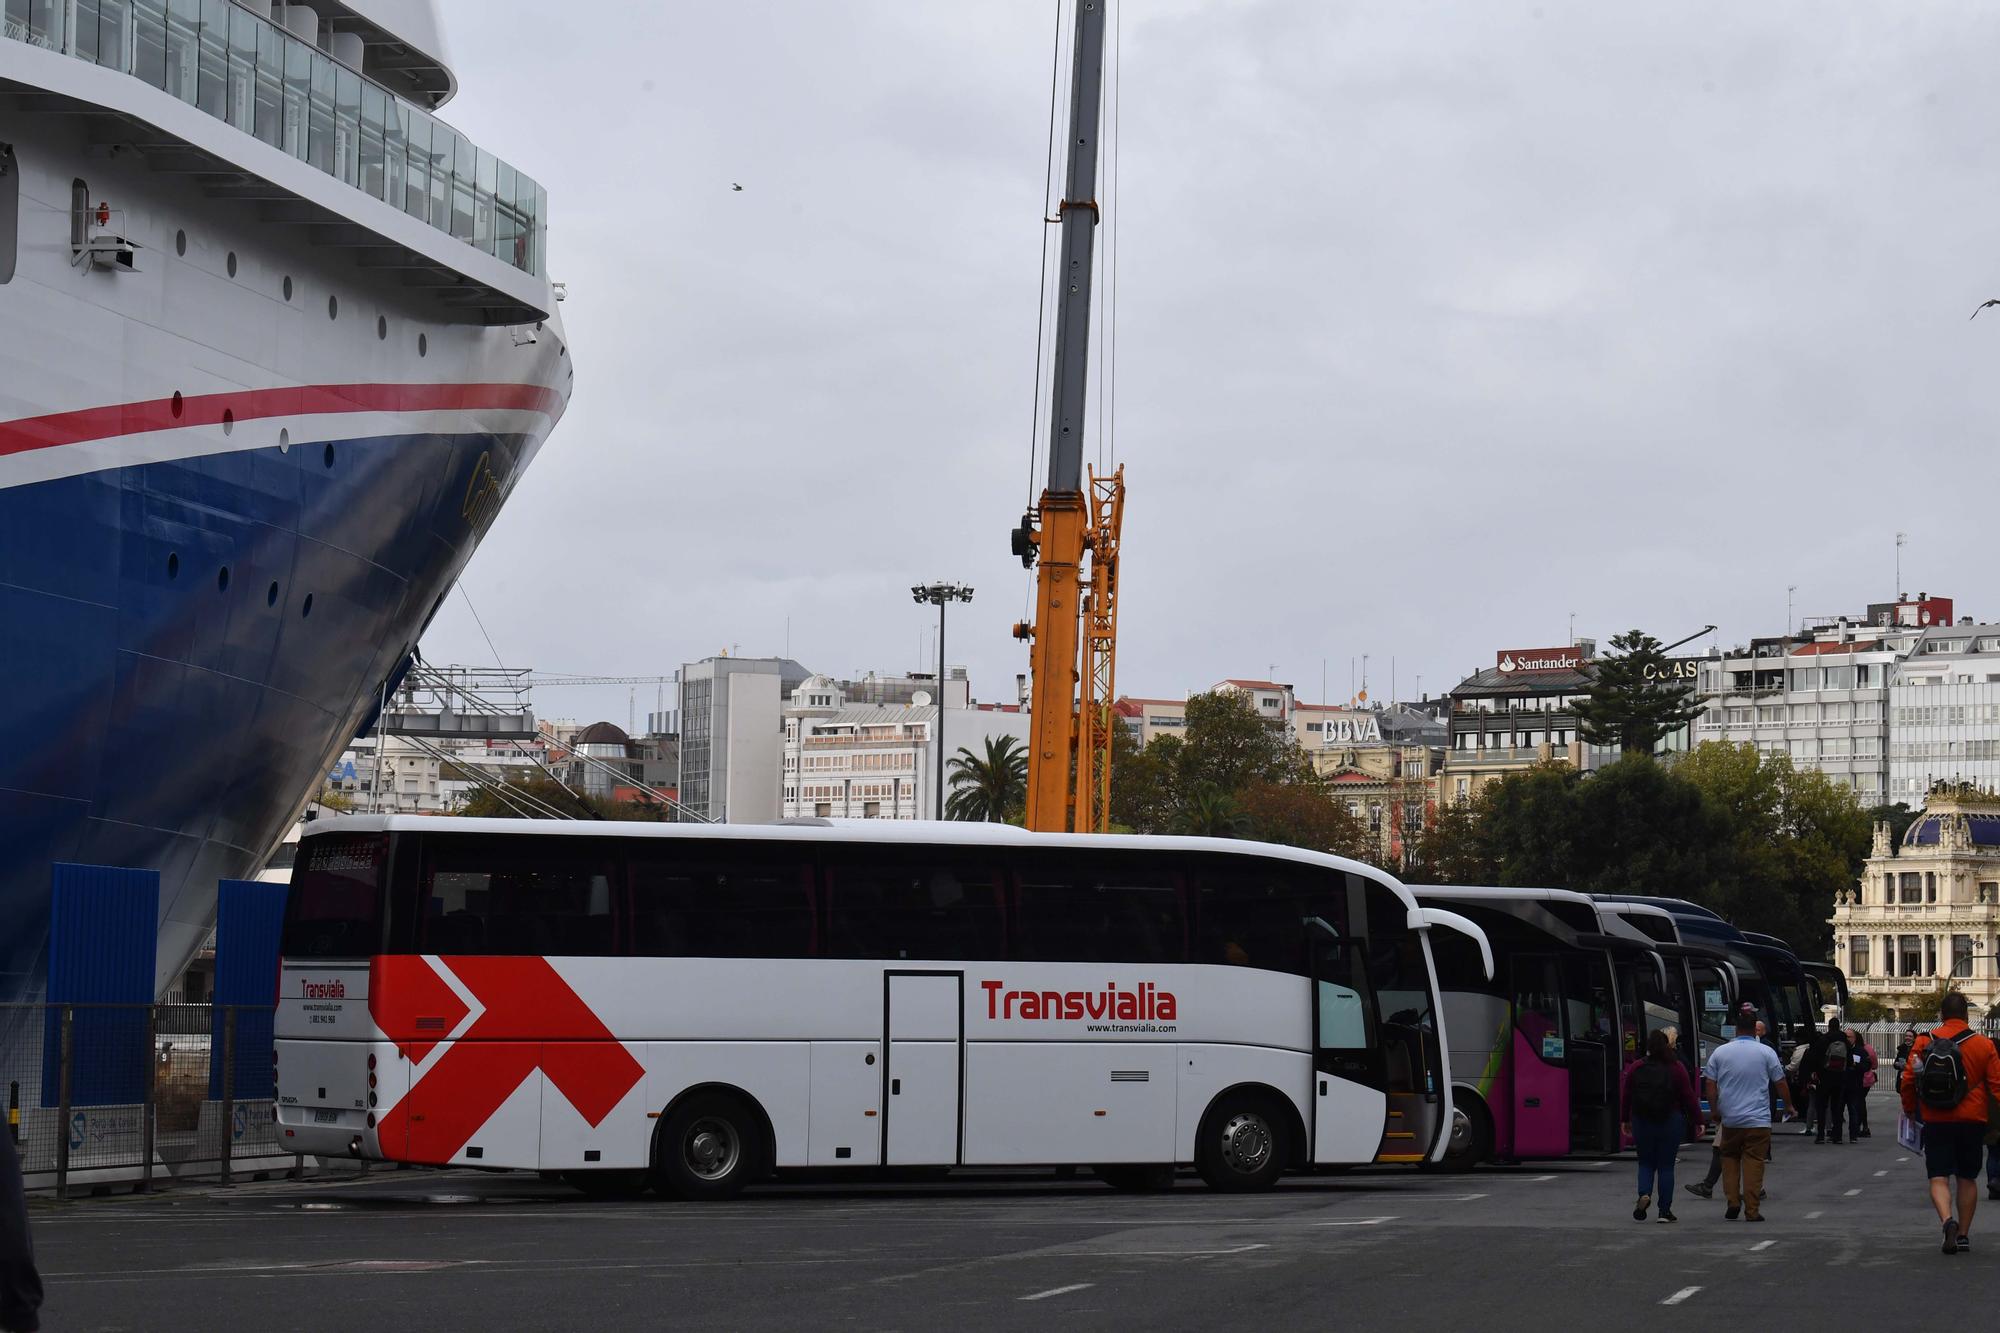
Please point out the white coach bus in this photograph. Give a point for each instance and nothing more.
(695, 1006)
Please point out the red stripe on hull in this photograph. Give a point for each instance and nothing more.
(100, 423)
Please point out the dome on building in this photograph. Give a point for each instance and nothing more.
(602, 733)
(1929, 831)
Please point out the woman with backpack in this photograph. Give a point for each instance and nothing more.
(1659, 1103)
(1827, 1065)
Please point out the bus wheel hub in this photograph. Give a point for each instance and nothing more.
(711, 1149)
(1246, 1142)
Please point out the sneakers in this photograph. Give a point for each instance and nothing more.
(1666, 1215)
(1734, 1211)
(1701, 1191)
(1951, 1236)
(1639, 1209)
(1964, 1242)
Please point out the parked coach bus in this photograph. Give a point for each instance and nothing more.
(1537, 1049)
(692, 1006)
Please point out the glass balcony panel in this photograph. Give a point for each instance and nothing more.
(243, 26)
(319, 117)
(506, 217)
(212, 87)
(269, 117)
(417, 141)
(347, 124)
(442, 141)
(37, 22)
(183, 47)
(298, 96)
(83, 32)
(114, 26)
(464, 184)
(374, 107)
(395, 157)
(485, 180)
(149, 41)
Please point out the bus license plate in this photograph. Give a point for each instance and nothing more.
(325, 1117)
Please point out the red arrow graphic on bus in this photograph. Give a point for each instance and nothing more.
(531, 1020)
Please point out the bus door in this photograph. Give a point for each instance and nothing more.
(1537, 1062)
(1349, 1104)
(923, 1076)
(1592, 1041)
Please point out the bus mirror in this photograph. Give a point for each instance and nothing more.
(1423, 918)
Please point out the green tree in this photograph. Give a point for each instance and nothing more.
(1213, 813)
(1452, 849)
(1145, 792)
(990, 788)
(1227, 745)
(532, 793)
(1300, 814)
(332, 798)
(1629, 703)
(1899, 817)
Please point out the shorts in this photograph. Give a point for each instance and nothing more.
(1953, 1148)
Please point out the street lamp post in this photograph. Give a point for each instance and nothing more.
(938, 594)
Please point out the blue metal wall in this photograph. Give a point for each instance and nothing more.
(103, 935)
(248, 916)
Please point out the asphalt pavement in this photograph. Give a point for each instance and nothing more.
(1543, 1245)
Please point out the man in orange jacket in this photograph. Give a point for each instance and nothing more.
(1955, 1117)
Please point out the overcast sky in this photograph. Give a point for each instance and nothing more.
(1437, 323)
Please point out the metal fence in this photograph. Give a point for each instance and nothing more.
(103, 1094)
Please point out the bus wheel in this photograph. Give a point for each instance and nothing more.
(1470, 1140)
(607, 1184)
(709, 1148)
(1243, 1145)
(1130, 1178)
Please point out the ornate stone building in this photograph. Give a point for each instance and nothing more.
(1929, 908)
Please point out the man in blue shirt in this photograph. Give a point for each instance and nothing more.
(1741, 1078)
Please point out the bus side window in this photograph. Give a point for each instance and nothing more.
(516, 896)
(910, 904)
(1253, 913)
(742, 906)
(1065, 913)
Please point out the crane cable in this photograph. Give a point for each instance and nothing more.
(1043, 282)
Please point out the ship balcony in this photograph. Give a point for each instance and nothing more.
(209, 90)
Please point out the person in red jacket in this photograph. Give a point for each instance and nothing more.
(1659, 1103)
(1954, 1130)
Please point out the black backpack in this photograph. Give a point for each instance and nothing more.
(1652, 1092)
(1836, 1056)
(1941, 1081)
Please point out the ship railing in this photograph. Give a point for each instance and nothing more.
(246, 70)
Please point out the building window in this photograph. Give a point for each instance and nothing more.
(1463, 790)
(1858, 962)
(1930, 886)
(1910, 950)
(1930, 956)
(1961, 955)
(1913, 887)
(1989, 891)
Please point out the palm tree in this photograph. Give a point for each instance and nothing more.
(991, 789)
(1213, 813)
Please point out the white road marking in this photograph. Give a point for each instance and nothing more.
(1811, 1216)
(1852, 1193)
(1762, 1245)
(1680, 1295)
(1058, 1291)
(1902, 1159)
(1881, 1173)
(1534, 1180)
(1356, 1222)
(1606, 1162)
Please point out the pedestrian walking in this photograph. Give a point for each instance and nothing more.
(1659, 1103)
(1860, 1078)
(1826, 1065)
(1952, 1081)
(1743, 1076)
(20, 1284)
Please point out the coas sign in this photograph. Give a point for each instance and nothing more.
(1673, 671)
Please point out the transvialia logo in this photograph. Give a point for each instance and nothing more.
(323, 990)
(1145, 1003)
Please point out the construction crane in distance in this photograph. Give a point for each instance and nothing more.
(1073, 532)
(536, 680)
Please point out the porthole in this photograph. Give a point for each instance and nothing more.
(271, 594)
(333, 307)
(181, 243)
(381, 326)
(228, 421)
(231, 264)
(173, 565)
(306, 607)
(329, 453)
(284, 441)
(222, 579)
(176, 406)
(288, 287)
(423, 345)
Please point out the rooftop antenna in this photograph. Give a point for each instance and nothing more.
(1790, 588)
(1572, 629)
(1901, 538)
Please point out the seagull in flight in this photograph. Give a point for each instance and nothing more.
(1975, 310)
(739, 189)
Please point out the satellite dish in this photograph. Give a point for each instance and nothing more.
(921, 698)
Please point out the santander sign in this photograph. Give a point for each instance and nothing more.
(1511, 660)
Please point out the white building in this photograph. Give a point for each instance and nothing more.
(732, 735)
(1944, 712)
(405, 781)
(879, 761)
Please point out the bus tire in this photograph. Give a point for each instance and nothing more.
(1470, 1138)
(608, 1184)
(1244, 1145)
(709, 1147)
(1136, 1177)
